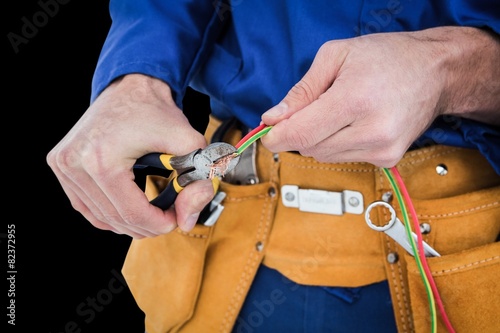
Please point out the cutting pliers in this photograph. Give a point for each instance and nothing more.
(210, 162)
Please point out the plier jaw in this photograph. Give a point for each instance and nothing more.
(211, 162)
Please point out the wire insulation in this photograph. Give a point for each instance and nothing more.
(251, 137)
(421, 252)
(428, 289)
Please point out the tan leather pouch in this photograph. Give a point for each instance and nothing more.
(469, 285)
(467, 274)
(197, 281)
(462, 209)
(164, 273)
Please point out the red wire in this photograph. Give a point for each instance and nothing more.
(421, 252)
(250, 134)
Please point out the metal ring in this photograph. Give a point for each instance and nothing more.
(369, 221)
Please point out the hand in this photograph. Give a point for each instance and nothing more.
(367, 99)
(134, 116)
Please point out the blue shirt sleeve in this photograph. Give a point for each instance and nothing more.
(157, 38)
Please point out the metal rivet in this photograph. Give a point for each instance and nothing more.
(387, 196)
(353, 201)
(251, 180)
(392, 257)
(289, 196)
(259, 246)
(276, 157)
(271, 192)
(441, 169)
(425, 228)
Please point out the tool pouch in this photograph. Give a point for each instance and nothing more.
(164, 273)
(469, 285)
(203, 274)
(462, 209)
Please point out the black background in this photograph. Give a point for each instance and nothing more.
(62, 261)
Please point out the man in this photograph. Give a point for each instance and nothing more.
(350, 88)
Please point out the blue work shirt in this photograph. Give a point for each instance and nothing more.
(247, 55)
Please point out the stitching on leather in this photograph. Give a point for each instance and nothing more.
(252, 197)
(314, 167)
(189, 234)
(246, 276)
(300, 158)
(455, 269)
(462, 211)
(396, 290)
(238, 294)
(403, 305)
(419, 160)
(432, 151)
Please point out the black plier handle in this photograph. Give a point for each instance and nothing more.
(208, 163)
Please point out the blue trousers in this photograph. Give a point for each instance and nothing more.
(277, 304)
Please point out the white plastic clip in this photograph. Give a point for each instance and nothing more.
(213, 210)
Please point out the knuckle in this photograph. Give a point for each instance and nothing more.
(300, 139)
(129, 217)
(302, 91)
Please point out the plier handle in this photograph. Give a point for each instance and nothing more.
(210, 162)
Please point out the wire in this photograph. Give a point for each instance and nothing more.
(421, 253)
(251, 137)
(418, 261)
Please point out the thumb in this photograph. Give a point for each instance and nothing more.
(314, 83)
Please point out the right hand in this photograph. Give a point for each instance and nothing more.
(134, 116)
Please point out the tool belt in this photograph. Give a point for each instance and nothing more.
(197, 281)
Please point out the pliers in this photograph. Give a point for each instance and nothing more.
(211, 162)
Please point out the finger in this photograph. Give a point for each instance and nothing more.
(312, 124)
(358, 144)
(133, 209)
(320, 76)
(98, 210)
(191, 201)
(90, 199)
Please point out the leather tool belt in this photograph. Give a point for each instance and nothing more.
(197, 281)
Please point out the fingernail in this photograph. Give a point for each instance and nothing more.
(276, 110)
(190, 222)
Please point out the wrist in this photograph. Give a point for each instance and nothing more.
(467, 64)
(144, 88)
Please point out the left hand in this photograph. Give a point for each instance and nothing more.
(367, 99)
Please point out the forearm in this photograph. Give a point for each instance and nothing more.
(470, 60)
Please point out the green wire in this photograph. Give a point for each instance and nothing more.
(430, 295)
(252, 139)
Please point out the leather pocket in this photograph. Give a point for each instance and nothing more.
(464, 230)
(469, 285)
(164, 275)
(197, 281)
(461, 222)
